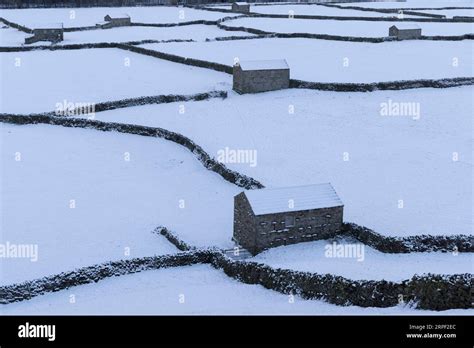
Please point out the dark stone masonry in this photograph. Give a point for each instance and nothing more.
(53, 35)
(241, 7)
(405, 31)
(114, 22)
(261, 76)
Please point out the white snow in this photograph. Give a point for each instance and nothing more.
(413, 4)
(205, 291)
(116, 203)
(82, 17)
(11, 37)
(49, 25)
(95, 75)
(374, 162)
(124, 34)
(85, 197)
(274, 64)
(333, 61)
(316, 10)
(276, 200)
(366, 263)
(344, 28)
(120, 16)
(406, 26)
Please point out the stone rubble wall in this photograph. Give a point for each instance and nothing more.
(434, 292)
(93, 274)
(419, 243)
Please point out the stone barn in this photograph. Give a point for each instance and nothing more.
(405, 31)
(113, 22)
(261, 76)
(267, 218)
(241, 7)
(51, 32)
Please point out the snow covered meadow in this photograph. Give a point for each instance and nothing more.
(412, 4)
(354, 28)
(400, 160)
(323, 60)
(95, 75)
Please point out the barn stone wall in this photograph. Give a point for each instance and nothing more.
(404, 34)
(309, 225)
(116, 22)
(254, 81)
(53, 35)
(260, 232)
(244, 224)
(240, 8)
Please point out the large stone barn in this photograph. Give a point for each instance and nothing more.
(113, 22)
(51, 32)
(261, 76)
(268, 218)
(405, 31)
(241, 7)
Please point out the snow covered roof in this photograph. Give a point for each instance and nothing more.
(277, 200)
(406, 26)
(48, 26)
(241, 3)
(123, 15)
(274, 64)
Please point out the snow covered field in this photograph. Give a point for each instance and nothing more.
(413, 4)
(315, 10)
(451, 13)
(118, 203)
(84, 196)
(411, 159)
(84, 17)
(95, 75)
(13, 37)
(194, 32)
(325, 61)
(204, 290)
(345, 28)
(370, 264)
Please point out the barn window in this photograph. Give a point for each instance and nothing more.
(289, 221)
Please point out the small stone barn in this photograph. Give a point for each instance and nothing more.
(268, 218)
(51, 32)
(241, 7)
(405, 31)
(261, 76)
(112, 22)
